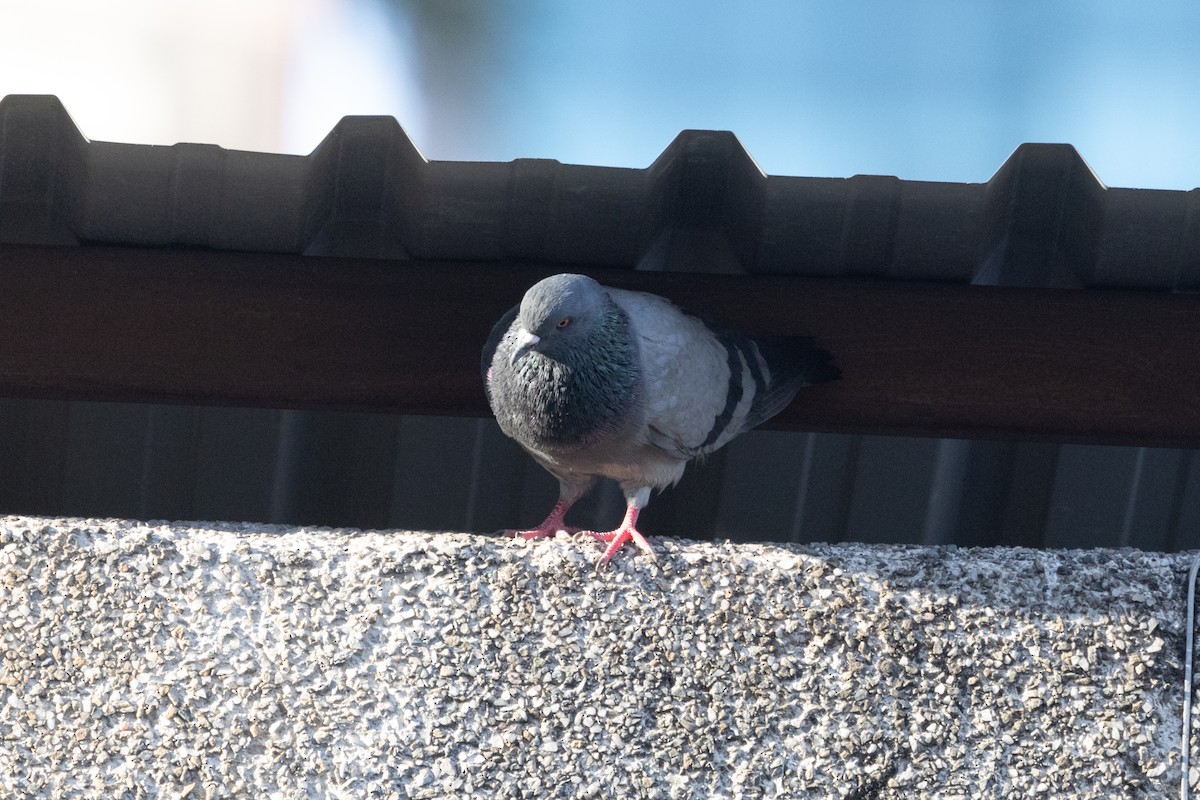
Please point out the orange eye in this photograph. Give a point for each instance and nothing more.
(562, 323)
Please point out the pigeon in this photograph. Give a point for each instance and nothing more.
(598, 382)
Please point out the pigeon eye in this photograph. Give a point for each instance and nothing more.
(562, 323)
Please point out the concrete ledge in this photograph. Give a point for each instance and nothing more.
(222, 660)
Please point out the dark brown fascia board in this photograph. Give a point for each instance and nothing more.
(919, 358)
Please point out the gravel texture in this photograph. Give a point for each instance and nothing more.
(222, 660)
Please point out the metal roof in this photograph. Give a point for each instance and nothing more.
(1044, 219)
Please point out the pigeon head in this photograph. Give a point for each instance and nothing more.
(566, 370)
(558, 315)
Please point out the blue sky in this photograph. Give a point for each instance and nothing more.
(924, 90)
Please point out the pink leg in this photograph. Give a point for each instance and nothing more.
(626, 532)
(551, 525)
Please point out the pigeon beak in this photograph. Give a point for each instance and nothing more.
(525, 341)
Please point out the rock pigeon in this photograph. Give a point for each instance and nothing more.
(597, 382)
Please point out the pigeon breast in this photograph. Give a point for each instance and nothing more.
(571, 396)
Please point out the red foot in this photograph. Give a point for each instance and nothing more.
(625, 533)
(541, 531)
(550, 526)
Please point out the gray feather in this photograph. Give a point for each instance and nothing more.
(625, 385)
(493, 341)
(578, 381)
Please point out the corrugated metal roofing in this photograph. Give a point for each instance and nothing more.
(1042, 220)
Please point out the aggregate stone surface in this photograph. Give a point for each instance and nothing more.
(213, 660)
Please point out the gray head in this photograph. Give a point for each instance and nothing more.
(567, 368)
(558, 314)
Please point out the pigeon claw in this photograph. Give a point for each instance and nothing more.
(617, 539)
(552, 525)
(541, 532)
(627, 532)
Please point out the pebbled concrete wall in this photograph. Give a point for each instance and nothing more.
(206, 660)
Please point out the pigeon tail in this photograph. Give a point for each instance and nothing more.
(794, 362)
(798, 358)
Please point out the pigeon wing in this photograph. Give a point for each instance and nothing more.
(693, 400)
(703, 384)
(493, 342)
